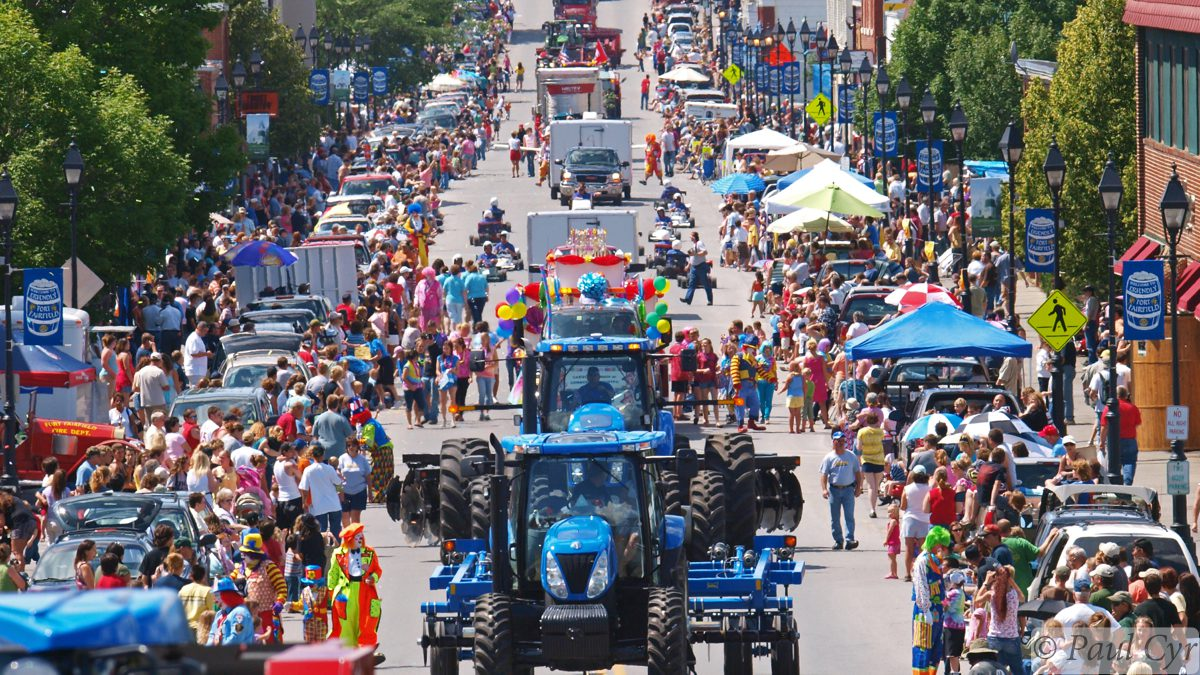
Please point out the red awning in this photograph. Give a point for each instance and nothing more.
(1188, 287)
(1144, 248)
(1175, 15)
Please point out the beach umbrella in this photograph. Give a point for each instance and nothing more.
(445, 82)
(809, 220)
(739, 184)
(1014, 430)
(787, 181)
(260, 253)
(798, 156)
(911, 296)
(834, 199)
(925, 425)
(682, 74)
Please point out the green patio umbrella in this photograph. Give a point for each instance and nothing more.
(834, 199)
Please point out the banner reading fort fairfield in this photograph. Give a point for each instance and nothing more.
(1145, 299)
(44, 306)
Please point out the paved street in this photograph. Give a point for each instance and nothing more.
(844, 600)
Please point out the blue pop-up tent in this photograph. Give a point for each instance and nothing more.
(936, 329)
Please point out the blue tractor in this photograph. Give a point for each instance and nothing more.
(582, 567)
(560, 375)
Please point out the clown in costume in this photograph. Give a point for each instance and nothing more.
(265, 584)
(315, 601)
(418, 229)
(744, 371)
(233, 624)
(353, 573)
(380, 448)
(928, 595)
(653, 153)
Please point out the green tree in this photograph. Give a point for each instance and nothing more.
(133, 200)
(399, 30)
(1095, 73)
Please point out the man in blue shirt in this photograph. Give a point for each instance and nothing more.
(477, 291)
(87, 468)
(841, 483)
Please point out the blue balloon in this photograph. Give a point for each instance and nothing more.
(653, 333)
(503, 332)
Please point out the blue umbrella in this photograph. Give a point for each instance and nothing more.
(261, 254)
(739, 184)
(924, 426)
(794, 176)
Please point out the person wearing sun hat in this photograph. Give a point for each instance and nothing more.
(744, 371)
(265, 584)
(315, 601)
(354, 572)
(232, 624)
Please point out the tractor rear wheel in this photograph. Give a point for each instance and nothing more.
(666, 633)
(708, 514)
(785, 658)
(443, 661)
(732, 455)
(493, 635)
(453, 494)
(671, 495)
(481, 508)
(738, 658)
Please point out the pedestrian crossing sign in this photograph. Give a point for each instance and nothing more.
(1057, 320)
(732, 74)
(820, 109)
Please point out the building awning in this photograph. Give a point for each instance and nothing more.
(1188, 288)
(1174, 15)
(1144, 248)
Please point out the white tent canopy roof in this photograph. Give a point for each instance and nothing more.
(821, 176)
(763, 139)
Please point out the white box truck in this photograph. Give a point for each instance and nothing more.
(710, 110)
(547, 230)
(568, 93)
(615, 135)
(330, 271)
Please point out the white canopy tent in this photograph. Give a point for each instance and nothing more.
(763, 139)
(821, 176)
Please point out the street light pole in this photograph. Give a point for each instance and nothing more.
(1176, 212)
(1056, 170)
(790, 34)
(1012, 144)
(831, 50)
(73, 170)
(805, 43)
(8, 213)
(882, 84)
(928, 114)
(1111, 191)
(958, 131)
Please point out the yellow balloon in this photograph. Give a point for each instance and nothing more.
(504, 312)
(517, 310)
(663, 326)
(667, 287)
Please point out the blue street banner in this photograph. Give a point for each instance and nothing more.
(929, 165)
(1145, 299)
(886, 136)
(739, 55)
(379, 80)
(44, 306)
(318, 85)
(361, 86)
(847, 94)
(790, 78)
(1039, 241)
(764, 79)
(822, 79)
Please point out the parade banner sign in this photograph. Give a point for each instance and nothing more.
(929, 166)
(1039, 240)
(985, 207)
(886, 134)
(846, 103)
(361, 85)
(790, 78)
(318, 84)
(44, 306)
(341, 85)
(822, 79)
(258, 136)
(379, 80)
(1145, 299)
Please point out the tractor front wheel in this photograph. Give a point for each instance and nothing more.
(481, 508)
(443, 661)
(666, 633)
(732, 455)
(671, 495)
(493, 635)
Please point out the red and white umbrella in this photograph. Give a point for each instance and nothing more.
(912, 296)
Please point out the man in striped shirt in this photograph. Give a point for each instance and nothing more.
(744, 369)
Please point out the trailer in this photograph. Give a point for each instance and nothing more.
(547, 231)
(568, 93)
(329, 270)
(616, 135)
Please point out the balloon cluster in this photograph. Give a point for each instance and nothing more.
(657, 323)
(593, 286)
(513, 309)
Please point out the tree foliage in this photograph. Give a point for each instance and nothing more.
(136, 184)
(400, 31)
(1089, 110)
(252, 27)
(959, 50)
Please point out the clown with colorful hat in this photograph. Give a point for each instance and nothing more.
(353, 574)
(315, 602)
(233, 624)
(265, 584)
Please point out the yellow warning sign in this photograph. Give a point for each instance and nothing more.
(1057, 320)
(732, 74)
(820, 109)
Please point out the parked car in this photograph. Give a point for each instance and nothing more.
(870, 301)
(224, 398)
(1105, 503)
(288, 341)
(248, 368)
(318, 305)
(367, 184)
(175, 512)
(55, 569)
(294, 320)
(104, 510)
(1032, 474)
(358, 204)
(907, 375)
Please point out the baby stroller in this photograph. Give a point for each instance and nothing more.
(251, 500)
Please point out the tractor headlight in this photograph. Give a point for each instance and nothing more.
(566, 175)
(600, 578)
(555, 583)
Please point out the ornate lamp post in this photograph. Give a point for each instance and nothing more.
(1056, 170)
(904, 95)
(845, 67)
(928, 115)
(73, 171)
(882, 85)
(1111, 190)
(1012, 145)
(789, 34)
(805, 42)
(958, 131)
(1176, 211)
(8, 214)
